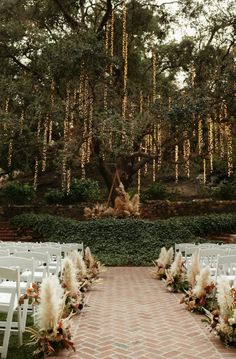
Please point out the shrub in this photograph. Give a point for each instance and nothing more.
(226, 191)
(157, 190)
(126, 241)
(84, 190)
(18, 193)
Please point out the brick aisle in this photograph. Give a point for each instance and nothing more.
(132, 316)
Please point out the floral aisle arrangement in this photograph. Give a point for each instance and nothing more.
(52, 332)
(124, 206)
(94, 267)
(193, 270)
(162, 263)
(74, 300)
(176, 275)
(223, 319)
(31, 294)
(201, 295)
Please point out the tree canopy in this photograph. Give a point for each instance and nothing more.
(119, 84)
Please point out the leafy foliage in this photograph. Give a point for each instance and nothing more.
(85, 190)
(18, 193)
(157, 190)
(126, 241)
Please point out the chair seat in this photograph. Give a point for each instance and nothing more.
(38, 276)
(4, 302)
(10, 284)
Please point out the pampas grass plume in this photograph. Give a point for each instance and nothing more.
(162, 256)
(194, 269)
(89, 257)
(168, 259)
(69, 275)
(48, 309)
(224, 296)
(176, 266)
(203, 280)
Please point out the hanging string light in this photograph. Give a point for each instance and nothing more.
(216, 138)
(176, 163)
(200, 136)
(21, 122)
(125, 61)
(154, 152)
(222, 132)
(44, 154)
(6, 112)
(10, 153)
(204, 171)
(36, 169)
(112, 43)
(210, 141)
(66, 139)
(229, 144)
(38, 130)
(159, 139)
(186, 155)
(83, 160)
(154, 138)
(90, 130)
(50, 126)
(68, 181)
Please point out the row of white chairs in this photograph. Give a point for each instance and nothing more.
(21, 264)
(221, 259)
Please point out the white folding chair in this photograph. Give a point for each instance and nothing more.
(42, 268)
(189, 251)
(9, 298)
(226, 267)
(55, 254)
(209, 257)
(180, 247)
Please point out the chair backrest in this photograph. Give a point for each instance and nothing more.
(226, 265)
(180, 247)
(9, 297)
(209, 256)
(189, 251)
(13, 248)
(54, 252)
(42, 259)
(69, 247)
(4, 252)
(24, 264)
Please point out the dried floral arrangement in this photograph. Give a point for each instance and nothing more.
(31, 294)
(74, 300)
(94, 267)
(223, 319)
(124, 206)
(52, 332)
(201, 295)
(176, 275)
(162, 263)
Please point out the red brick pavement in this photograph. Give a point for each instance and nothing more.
(132, 316)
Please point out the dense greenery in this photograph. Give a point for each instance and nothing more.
(84, 190)
(56, 70)
(18, 193)
(157, 190)
(127, 241)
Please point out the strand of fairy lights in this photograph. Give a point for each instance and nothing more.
(65, 137)
(186, 155)
(176, 163)
(36, 169)
(44, 151)
(200, 136)
(125, 61)
(21, 122)
(210, 141)
(204, 171)
(229, 139)
(154, 90)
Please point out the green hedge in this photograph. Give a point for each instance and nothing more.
(127, 241)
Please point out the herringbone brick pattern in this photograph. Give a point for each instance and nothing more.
(132, 316)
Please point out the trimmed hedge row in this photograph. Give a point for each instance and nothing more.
(126, 241)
